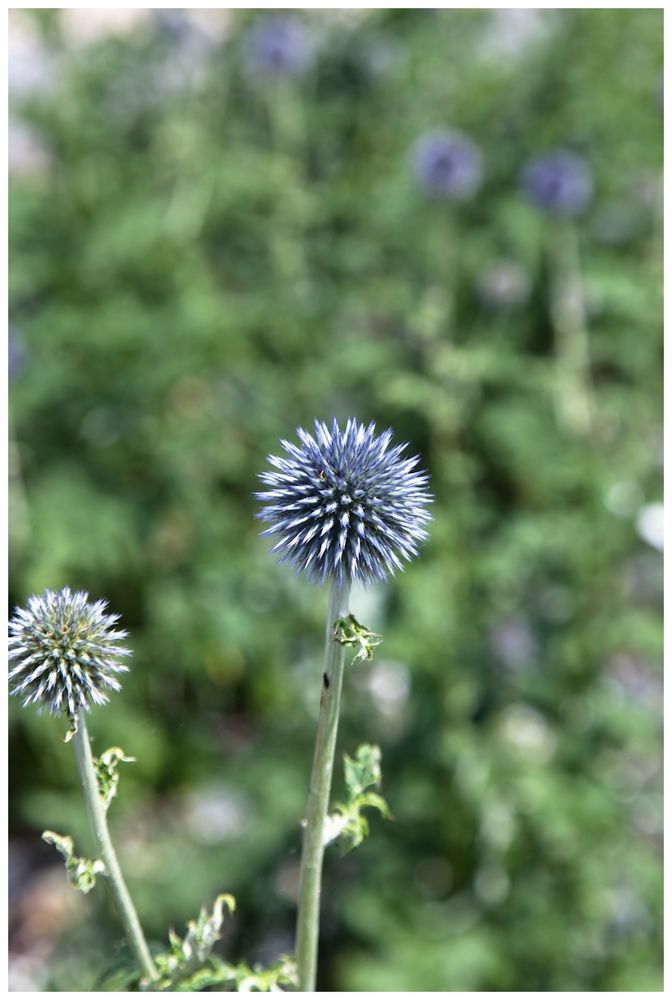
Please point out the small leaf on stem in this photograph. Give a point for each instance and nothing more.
(347, 823)
(349, 632)
(80, 871)
(107, 773)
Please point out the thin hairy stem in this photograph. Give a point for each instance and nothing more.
(127, 912)
(308, 921)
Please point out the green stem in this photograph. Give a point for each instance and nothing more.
(568, 315)
(308, 920)
(436, 310)
(656, 243)
(98, 819)
(286, 234)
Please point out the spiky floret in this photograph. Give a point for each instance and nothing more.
(344, 505)
(66, 651)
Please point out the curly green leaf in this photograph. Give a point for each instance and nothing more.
(278, 978)
(81, 872)
(349, 632)
(107, 773)
(182, 964)
(346, 823)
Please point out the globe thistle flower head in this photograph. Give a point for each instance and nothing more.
(559, 183)
(447, 165)
(344, 505)
(66, 652)
(280, 46)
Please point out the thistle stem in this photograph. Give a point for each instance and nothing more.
(568, 315)
(98, 819)
(288, 137)
(308, 920)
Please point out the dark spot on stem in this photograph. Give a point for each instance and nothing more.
(325, 680)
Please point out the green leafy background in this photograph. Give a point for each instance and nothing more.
(205, 258)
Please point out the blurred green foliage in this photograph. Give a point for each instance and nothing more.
(210, 257)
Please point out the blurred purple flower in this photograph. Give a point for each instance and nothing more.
(502, 285)
(559, 182)
(16, 353)
(280, 46)
(173, 23)
(636, 679)
(447, 165)
(513, 643)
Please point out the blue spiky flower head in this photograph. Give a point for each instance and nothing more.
(344, 505)
(67, 653)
